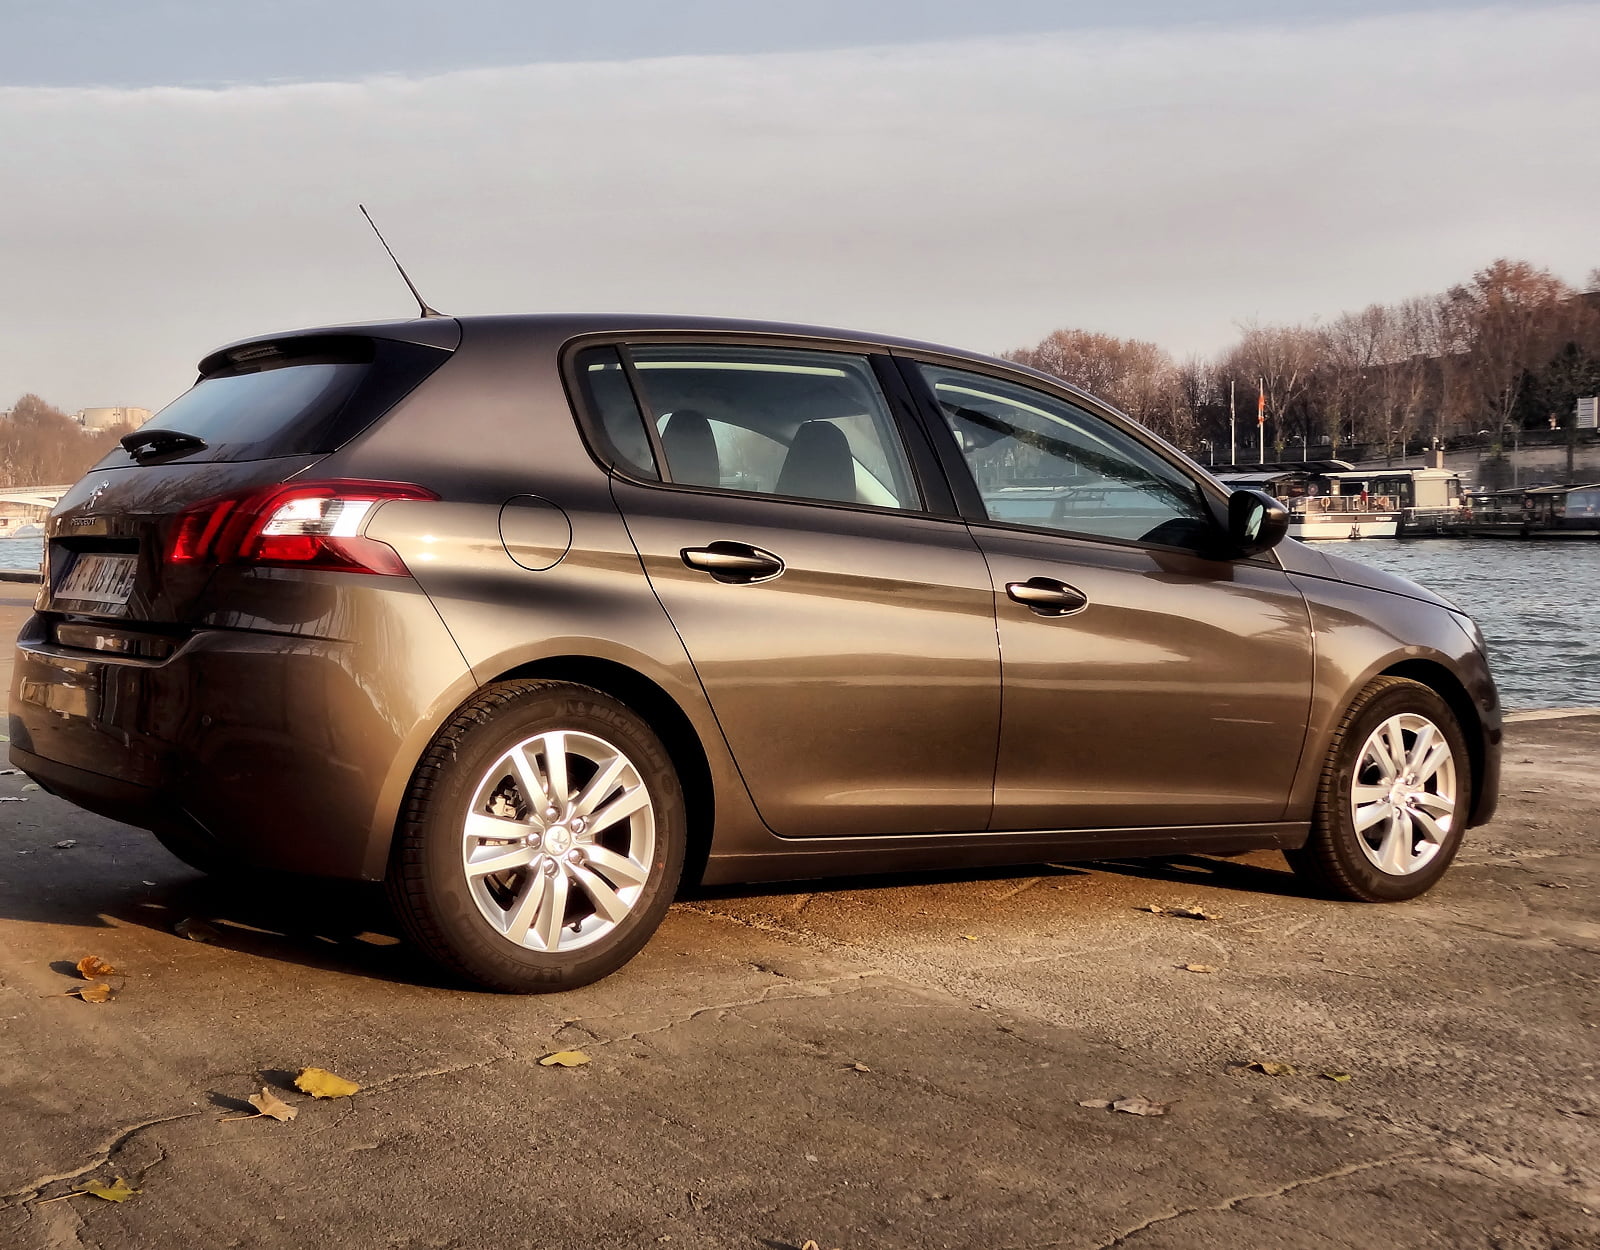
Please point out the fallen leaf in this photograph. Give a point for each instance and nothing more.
(1193, 912)
(1554, 885)
(118, 1191)
(99, 992)
(267, 1103)
(66, 844)
(860, 1067)
(11, 798)
(32, 785)
(196, 930)
(971, 937)
(1099, 1104)
(1273, 1069)
(9, 772)
(1337, 1076)
(1155, 908)
(1140, 1106)
(565, 1059)
(320, 1083)
(1199, 968)
(92, 966)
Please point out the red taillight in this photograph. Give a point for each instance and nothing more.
(298, 524)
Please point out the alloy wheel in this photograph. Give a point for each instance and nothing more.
(1403, 800)
(558, 841)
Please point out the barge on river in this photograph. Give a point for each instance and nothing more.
(1559, 512)
(1332, 500)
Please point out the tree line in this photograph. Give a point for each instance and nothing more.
(1511, 349)
(42, 446)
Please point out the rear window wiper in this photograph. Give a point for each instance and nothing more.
(159, 442)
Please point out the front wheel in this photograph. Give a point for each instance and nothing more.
(542, 839)
(1393, 800)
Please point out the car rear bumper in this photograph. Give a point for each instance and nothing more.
(282, 750)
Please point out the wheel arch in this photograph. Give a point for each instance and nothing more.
(665, 717)
(1438, 678)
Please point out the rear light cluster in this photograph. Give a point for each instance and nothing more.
(304, 525)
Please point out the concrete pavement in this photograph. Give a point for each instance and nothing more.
(724, 1106)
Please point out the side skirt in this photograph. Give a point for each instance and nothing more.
(803, 858)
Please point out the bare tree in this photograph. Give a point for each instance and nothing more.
(40, 445)
(1136, 376)
(1513, 316)
(1277, 364)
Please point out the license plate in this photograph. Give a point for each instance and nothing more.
(96, 578)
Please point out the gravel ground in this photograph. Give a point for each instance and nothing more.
(886, 1062)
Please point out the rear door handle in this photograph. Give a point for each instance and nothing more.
(735, 563)
(1048, 597)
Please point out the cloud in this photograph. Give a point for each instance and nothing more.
(1158, 184)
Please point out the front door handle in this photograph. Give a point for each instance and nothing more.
(1048, 597)
(734, 563)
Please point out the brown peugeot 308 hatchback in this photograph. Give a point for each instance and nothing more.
(534, 617)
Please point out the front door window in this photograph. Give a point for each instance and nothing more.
(1041, 461)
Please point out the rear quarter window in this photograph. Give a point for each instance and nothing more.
(299, 397)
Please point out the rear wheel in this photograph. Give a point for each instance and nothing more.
(542, 839)
(1393, 800)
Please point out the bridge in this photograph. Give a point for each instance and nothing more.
(45, 497)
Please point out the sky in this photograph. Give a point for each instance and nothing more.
(174, 175)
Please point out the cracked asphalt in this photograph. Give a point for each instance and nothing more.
(724, 1106)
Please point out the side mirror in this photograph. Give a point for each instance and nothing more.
(1256, 521)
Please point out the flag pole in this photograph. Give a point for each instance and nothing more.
(1233, 422)
(1261, 418)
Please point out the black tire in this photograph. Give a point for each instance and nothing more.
(427, 881)
(1333, 857)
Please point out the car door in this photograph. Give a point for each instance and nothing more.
(1147, 681)
(842, 628)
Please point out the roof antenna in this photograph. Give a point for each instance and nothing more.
(415, 294)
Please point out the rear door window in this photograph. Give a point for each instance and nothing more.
(299, 397)
(774, 421)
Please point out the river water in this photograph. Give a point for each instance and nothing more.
(1538, 604)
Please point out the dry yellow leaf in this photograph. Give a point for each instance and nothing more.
(269, 1104)
(92, 966)
(971, 937)
(1133, 1105)
(99, 992)
(860, 1067)
(1341, 1077)
(196, 930)
(565, 1059)
(118, 1191)
(320, 1083)
(1140, 1106)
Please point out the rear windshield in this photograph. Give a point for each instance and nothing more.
(297, 398)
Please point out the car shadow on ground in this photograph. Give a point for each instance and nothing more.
(1242, 875)
(339, 926)
(348, 928)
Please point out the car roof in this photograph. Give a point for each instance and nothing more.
(449, 331)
